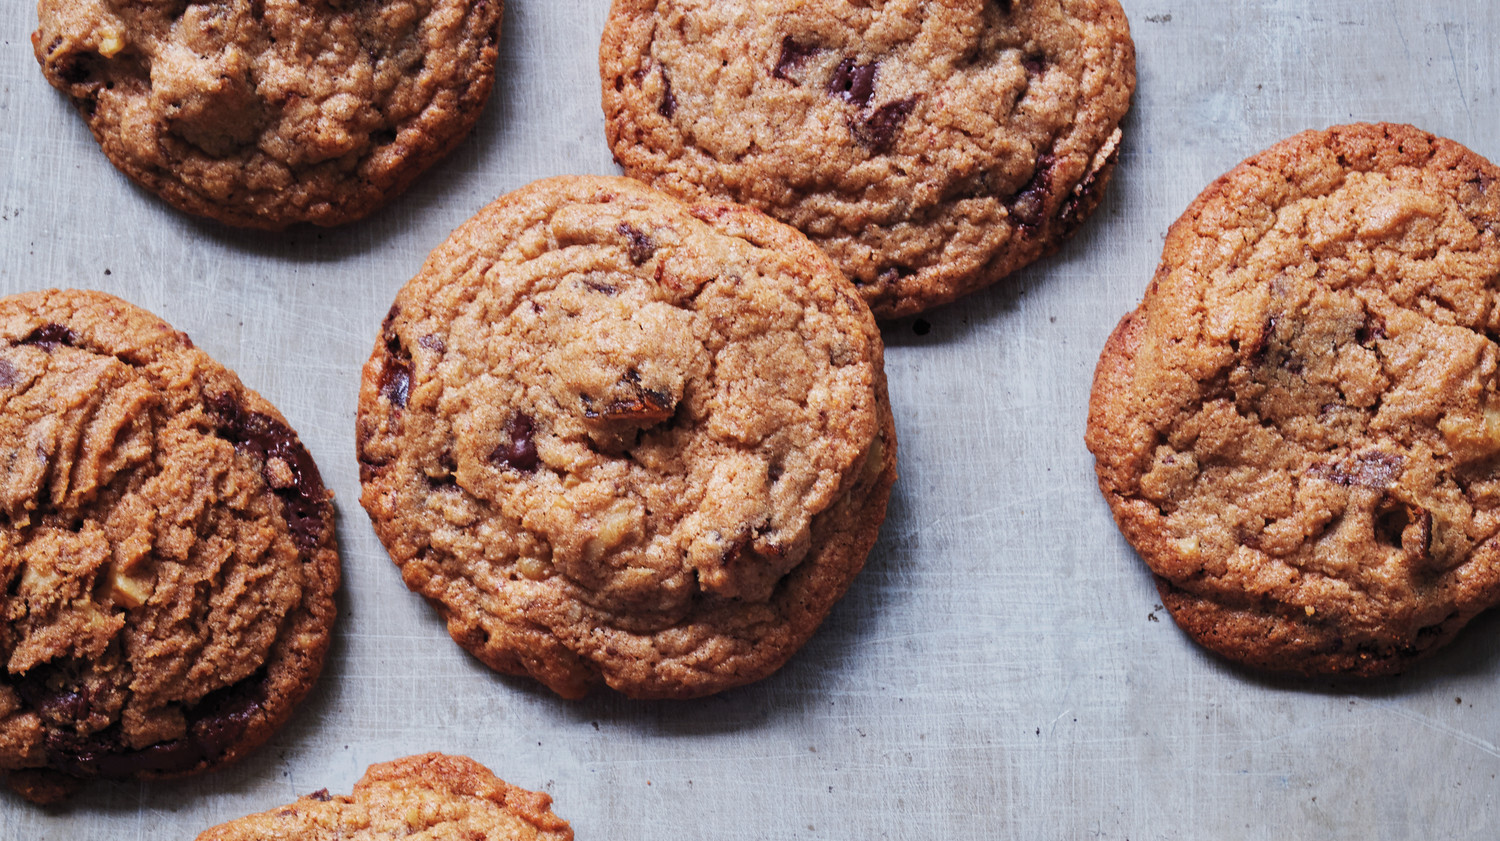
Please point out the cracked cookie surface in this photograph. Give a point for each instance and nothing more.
(930, 148)
(1298, 429)
(614, 437)
(166, 550)
(426, 798)
(263, 113)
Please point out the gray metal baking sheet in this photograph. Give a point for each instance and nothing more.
(1001, 668)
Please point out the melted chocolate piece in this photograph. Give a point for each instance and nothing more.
(433, 343)
(268, 438)
(1034, 64)
(321, 795)
(214, 724)
(1373, 469)
(637, 244)
(1029, 206)
(49, 336)
(8, 374)
(395, 381)
(854, 83)
(878, 130)
(602, 288)
(793, 55)
(520, 452)
(668, 105)
(1084, 196)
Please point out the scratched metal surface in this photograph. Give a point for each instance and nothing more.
(997, 671)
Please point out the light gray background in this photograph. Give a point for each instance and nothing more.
(1000, 669)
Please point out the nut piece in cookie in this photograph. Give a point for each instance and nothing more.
(166, 549)
(427, 796)
(265, 113)
(616, 438)
(1299, 427)
(930, 148)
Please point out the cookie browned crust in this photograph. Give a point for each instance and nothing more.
(264, 113)
(1298, 429)
(614, 437)
(931, 148)
(431, 796)
(166, 547)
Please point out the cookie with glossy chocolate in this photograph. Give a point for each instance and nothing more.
(427, 797)
(931, 148)
(264, 113)
(614, 438)
(1299, 427)
(166, 549)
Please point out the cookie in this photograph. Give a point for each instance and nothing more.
(166, 549)
(430, 796)
(931, 148)
(613, 437)
(264, 113)
(1299, 429)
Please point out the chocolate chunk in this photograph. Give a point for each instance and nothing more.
(49, 336)
(793, 55)
(1085, 195)
(215, 723)
(1373, 469)
(1029, 206)
(395, 382)
(603, 288)
(305, 500)
(891, 274)
(321, 795)
(854, 83)
(637, 244)
(56, 692)
(519, 452)
(1034, 64)
(879, 130)
(9, 376)
(668, 105)
(433, 343)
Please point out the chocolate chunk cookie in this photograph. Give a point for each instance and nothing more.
(1299, 428)
(263, 113)
(430, 796)
(614, 437)
(166, 550)
(931, 148)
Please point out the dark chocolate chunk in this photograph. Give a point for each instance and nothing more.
(1085, 196)
(395, 382)
(321, 795)
(519, 452)
(879, 130)
(1034, 64)
(49, 336)
(1029, 206)
(668, 105)
(854, 83)
(433, 343)
(637, 243)
(1374, 469)
(305, 500)
(8, 374)
(793, 55)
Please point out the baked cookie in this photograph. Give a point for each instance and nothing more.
(930, 147)
(264, 113)
(432, 796)
(610, 436)
(166, 550)
(1298, 429)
